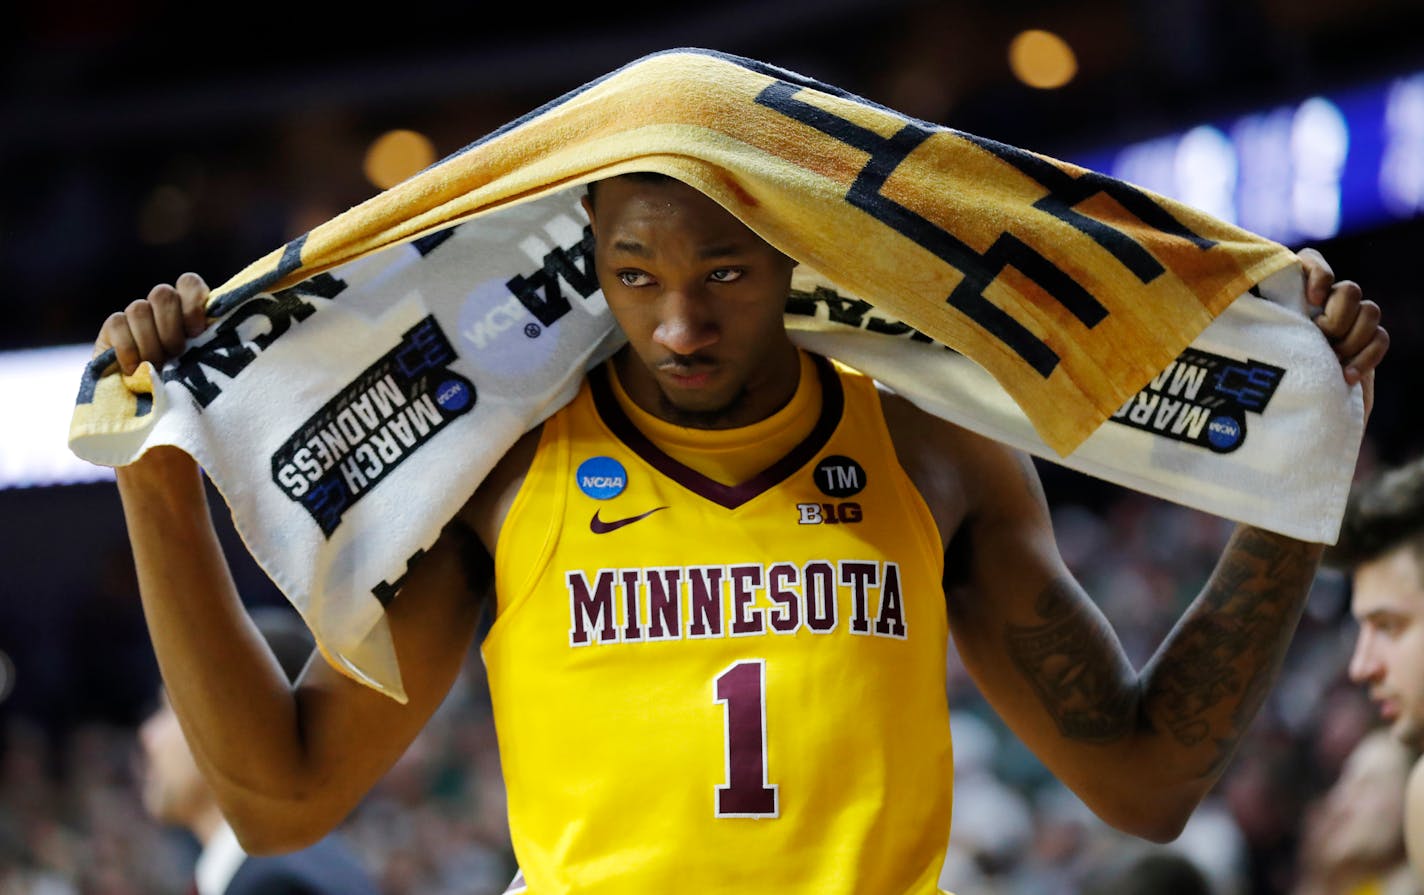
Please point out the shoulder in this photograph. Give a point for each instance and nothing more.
(485, 511)
(961, 475)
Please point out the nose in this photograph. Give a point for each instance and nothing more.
(686, 323)
(1365, 665)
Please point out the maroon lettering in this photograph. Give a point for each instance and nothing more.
(705, 604)
(859, 577)
(745, 579)
(820, 592)
(664, 604)
(741, 689)
(591, 609)
(891, 620)
(632, 628)
(784, 617)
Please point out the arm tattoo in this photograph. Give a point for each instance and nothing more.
(1063, 658)
(1218, 664)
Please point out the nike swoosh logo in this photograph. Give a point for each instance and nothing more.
(599, 527)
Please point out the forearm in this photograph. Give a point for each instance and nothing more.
(233, 700)
(1210, 676)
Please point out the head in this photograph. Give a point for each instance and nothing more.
(174, 791)
(1382, 544)
(700, 297)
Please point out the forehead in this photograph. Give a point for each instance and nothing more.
(645, 208)
(1393, 582)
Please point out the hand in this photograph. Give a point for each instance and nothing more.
(158, 327)
(1349, 322)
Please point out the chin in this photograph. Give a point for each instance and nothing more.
(707, 412)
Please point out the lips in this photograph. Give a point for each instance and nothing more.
(694, 375)
(690, 380)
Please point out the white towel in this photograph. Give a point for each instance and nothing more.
(347, 415)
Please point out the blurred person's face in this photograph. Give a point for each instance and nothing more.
(1389, 653)
(174, 791)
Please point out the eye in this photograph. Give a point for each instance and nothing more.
(726, 275)
(633, 278)
(1388, 625)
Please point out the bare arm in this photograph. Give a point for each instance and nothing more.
(1141, 749)
(287, 763)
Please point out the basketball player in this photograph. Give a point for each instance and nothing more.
(725, 578)
(174, 792)
(1382, 545)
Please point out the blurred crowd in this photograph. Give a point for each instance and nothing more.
(1302, 810)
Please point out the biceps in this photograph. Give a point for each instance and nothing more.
(352, 733)
(1037, 645)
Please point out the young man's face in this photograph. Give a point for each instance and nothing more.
(701, 299)
(1389, 654)
(174, 791)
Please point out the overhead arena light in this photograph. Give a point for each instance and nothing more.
(39, 386)
(1319, 167)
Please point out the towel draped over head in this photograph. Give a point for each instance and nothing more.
(1059, 310)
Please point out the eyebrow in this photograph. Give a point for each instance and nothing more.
(1382, 612)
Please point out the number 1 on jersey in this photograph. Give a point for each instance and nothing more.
(742, 690)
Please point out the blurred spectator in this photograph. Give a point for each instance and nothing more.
(1353, 837)
(1151, 871)
(1382, 545)
(175, 793)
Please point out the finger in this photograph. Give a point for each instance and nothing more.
(145, 332)
(1319, 276)
(168, 319)
(1341, 309)
(1361, 331)
(194, 293)
(1364, 362)
(115, 334)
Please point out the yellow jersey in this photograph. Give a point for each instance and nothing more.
(703, 687)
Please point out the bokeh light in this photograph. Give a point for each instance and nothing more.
(396, 155)
(1042, 59)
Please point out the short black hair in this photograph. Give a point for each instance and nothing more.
(1383, 512)
(640, 176)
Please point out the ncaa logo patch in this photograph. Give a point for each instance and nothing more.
(453, 395)
(602, 478)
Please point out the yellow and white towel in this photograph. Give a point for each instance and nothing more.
(357, 384)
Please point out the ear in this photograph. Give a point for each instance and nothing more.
(588, 210)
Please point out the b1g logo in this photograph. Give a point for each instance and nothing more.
(1202, 399)
(828, 513)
